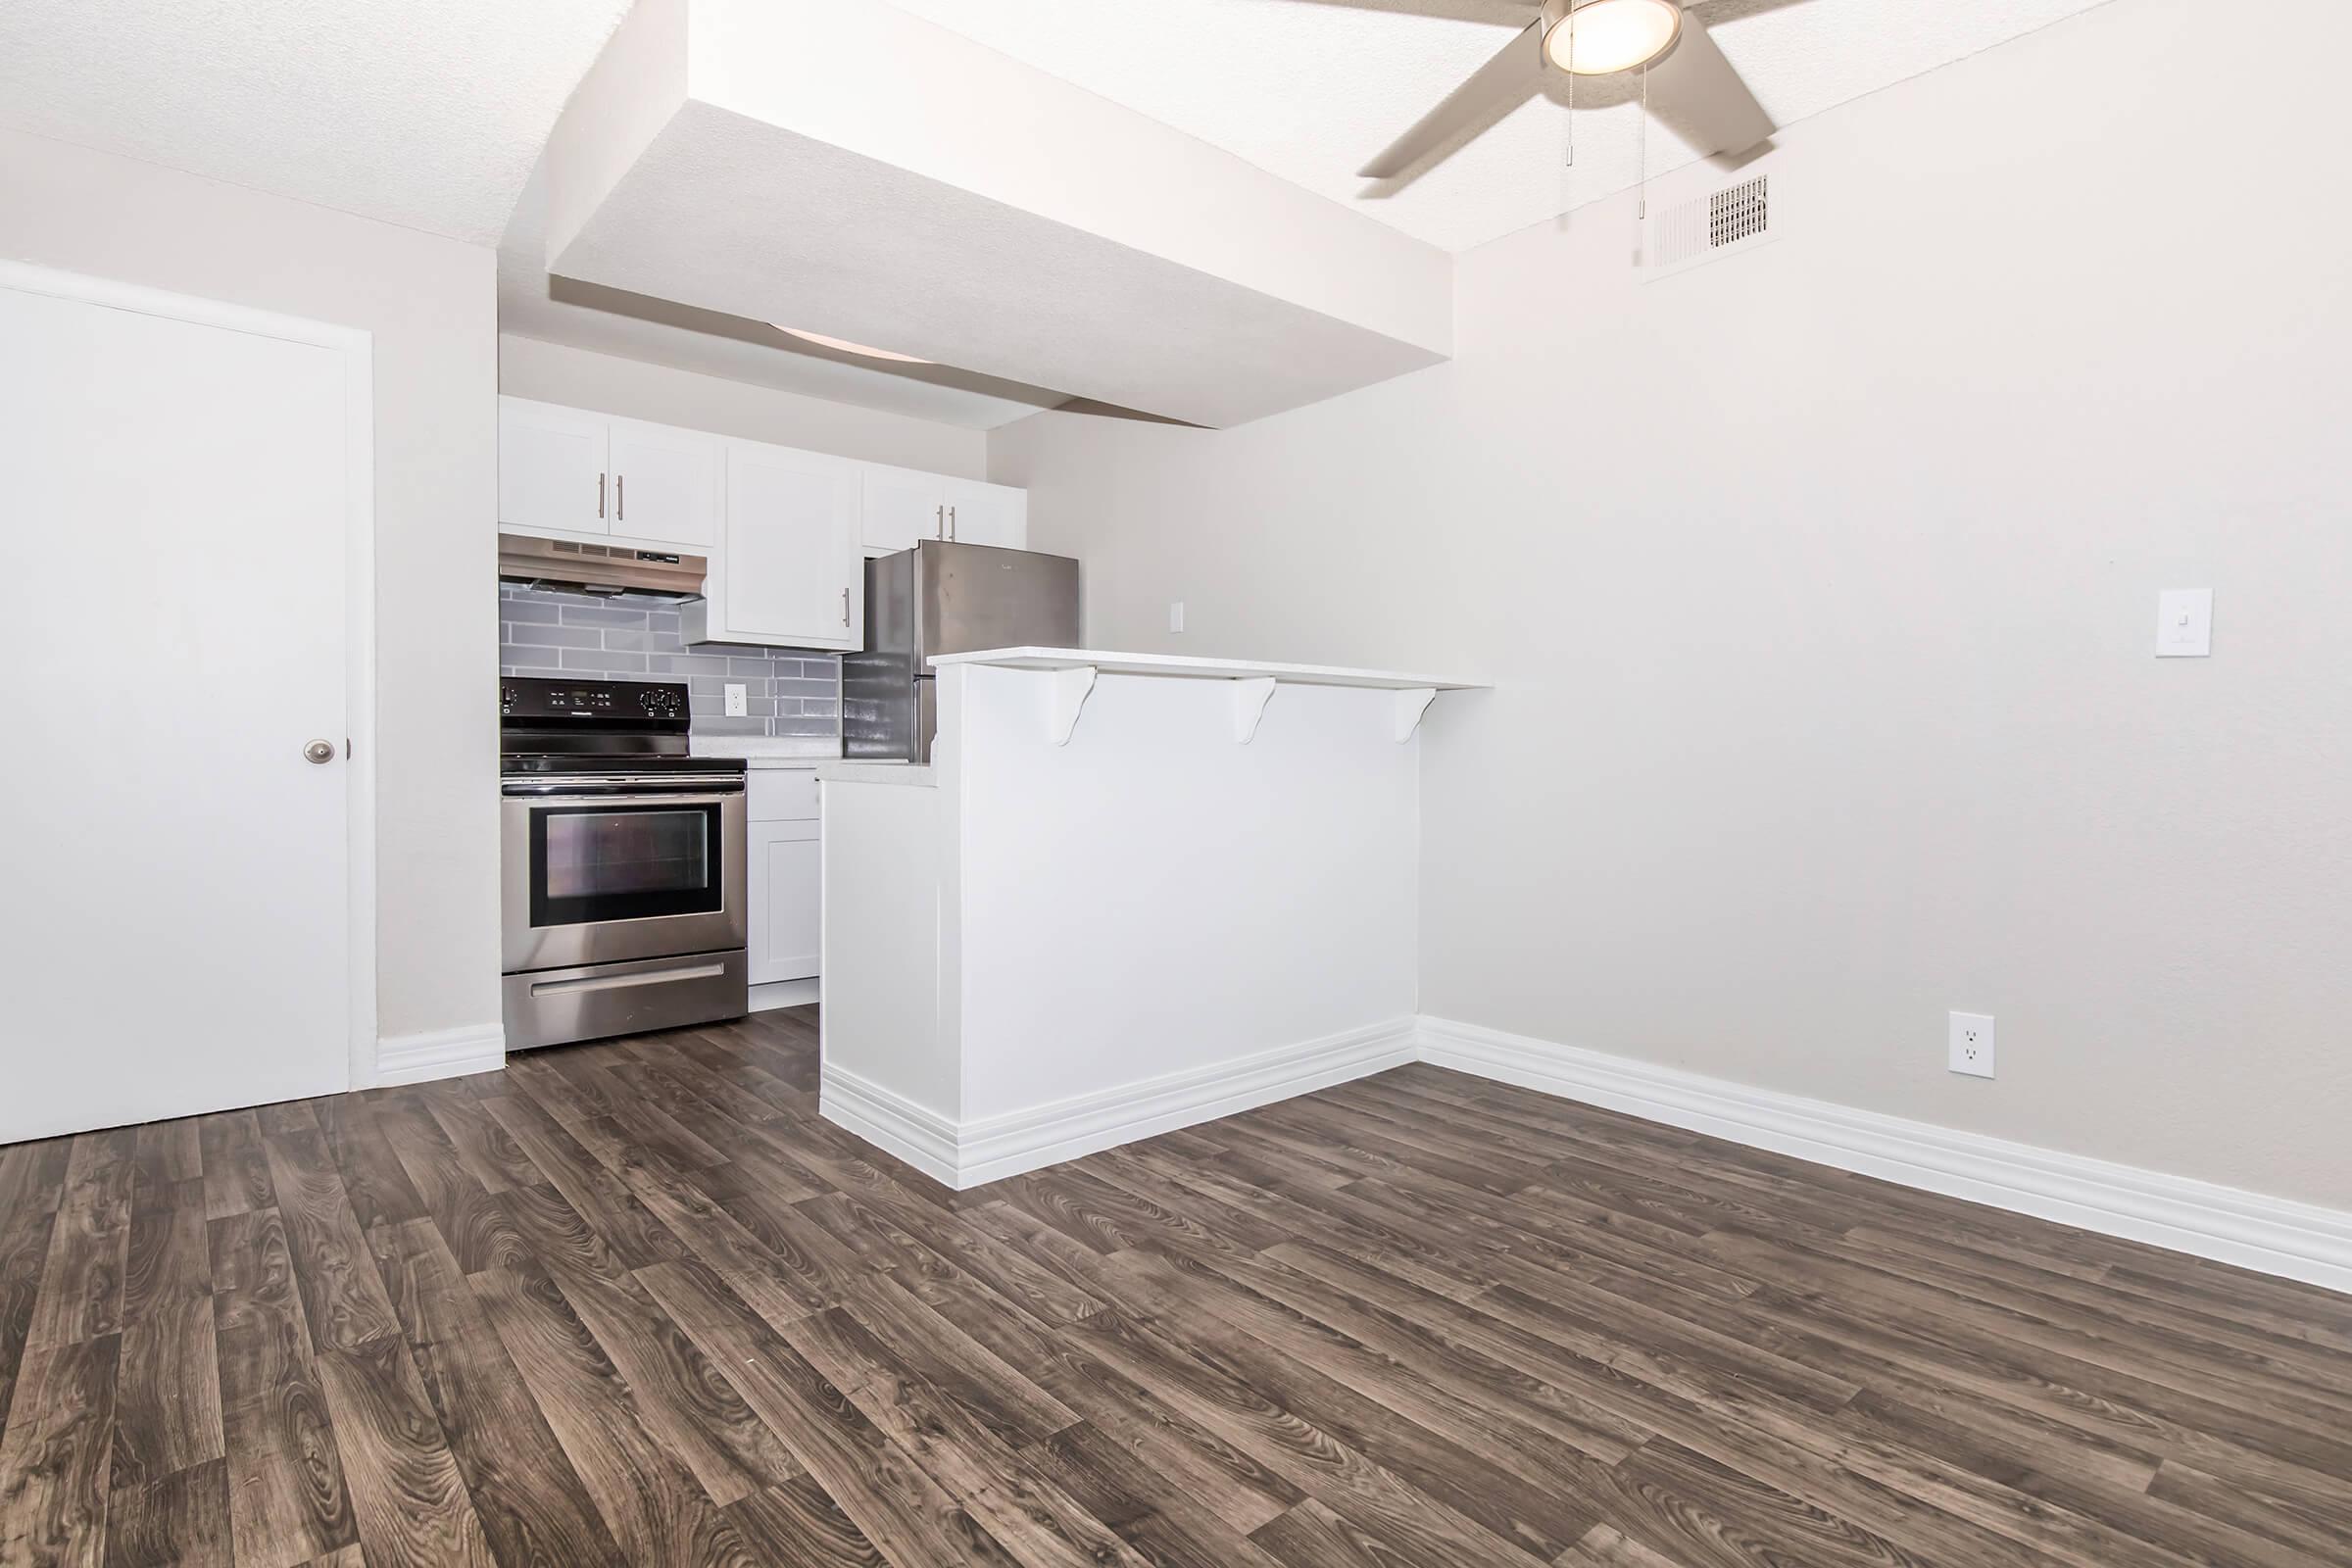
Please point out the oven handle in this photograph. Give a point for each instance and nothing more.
(584, 799)
(589, 781)
(623, 982)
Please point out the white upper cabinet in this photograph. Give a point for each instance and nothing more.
(551, 470)
(987, 514)
(786, 531)
(788, 570)
(900, 507)
(567, 473)
(897, 507)
(664, 483)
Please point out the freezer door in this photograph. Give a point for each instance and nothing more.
(972, 596)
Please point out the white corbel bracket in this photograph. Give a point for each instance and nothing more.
(1250, 698)
(1065, 694)
(1410, 705)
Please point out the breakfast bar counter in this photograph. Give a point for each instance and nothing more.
(1128, 892)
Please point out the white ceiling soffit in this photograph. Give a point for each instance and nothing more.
(1311, 90)
(423, 112)
(556, 310)
(856, 170)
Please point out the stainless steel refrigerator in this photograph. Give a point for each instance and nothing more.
(943, 598)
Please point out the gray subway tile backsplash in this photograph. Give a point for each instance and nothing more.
(789, 692)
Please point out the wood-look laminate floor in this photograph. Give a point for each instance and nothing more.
(634, 1302)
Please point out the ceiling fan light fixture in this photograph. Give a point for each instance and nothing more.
(1602, 37)
(847, 347)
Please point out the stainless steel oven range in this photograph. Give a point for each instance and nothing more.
(622, 863)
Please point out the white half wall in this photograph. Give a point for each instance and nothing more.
(1819, 586)
(430, 305)
(555, 372)
(1156, 899)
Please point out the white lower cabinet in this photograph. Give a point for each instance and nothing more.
(781, 857)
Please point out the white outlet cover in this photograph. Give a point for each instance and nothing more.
(2185, 623)
(1175, 614)
(1972, 1044)
(738, 701)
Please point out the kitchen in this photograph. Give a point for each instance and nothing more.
(736, 568)
(746, 737)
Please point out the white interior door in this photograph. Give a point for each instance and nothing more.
(179, 499)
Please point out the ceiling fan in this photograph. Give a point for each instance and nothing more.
(1692, 87)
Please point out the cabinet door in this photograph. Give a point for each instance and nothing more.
(790, 572)
(897, 506)
(987, 514)
(664, 484)
(551, 470)
(786, 899)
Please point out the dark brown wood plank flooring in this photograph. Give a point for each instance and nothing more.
(635, 1302)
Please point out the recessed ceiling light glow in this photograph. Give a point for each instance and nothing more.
(846, 346)
(1613, 35)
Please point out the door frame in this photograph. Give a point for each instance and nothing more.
(357, 345)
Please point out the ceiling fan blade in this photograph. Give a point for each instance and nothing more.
(1697, 94)
(1449, 10)
(1495, 88)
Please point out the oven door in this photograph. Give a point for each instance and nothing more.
(599, 873)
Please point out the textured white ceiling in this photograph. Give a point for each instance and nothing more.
(424, 113)
(1310, 90)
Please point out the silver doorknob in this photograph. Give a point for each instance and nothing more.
(319, 752)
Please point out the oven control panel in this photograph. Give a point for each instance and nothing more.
(623, 703)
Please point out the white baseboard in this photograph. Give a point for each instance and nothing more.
(970, 1154)
(889, 1120)
(2273, 1234)
(439, 1053)
(783, 994)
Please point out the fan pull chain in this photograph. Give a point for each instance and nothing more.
(1641, 200)
(1571, 22)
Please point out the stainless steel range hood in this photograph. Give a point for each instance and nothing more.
(599, 568)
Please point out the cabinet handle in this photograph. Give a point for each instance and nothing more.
(939, 520)
(600, 495)
(845, 606)
(950, 522)
(620, 498)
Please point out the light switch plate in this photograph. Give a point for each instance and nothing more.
(738, 702)
(2185, 623)
(1175, 614)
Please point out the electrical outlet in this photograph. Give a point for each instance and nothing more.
(739, 703)
(1972, 1044)
(1175, 614)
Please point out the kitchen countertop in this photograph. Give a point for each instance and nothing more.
(1106, 663)
(766, 752)
(916, 775)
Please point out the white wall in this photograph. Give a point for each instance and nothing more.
(430, 304)
(555, 373)
(1820, 586)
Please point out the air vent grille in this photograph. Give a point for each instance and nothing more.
(1739, 212)
(1682, 234)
